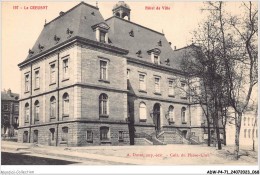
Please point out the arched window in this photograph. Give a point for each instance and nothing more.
(142, 111)
(249, 131)
(36, 110)
(27, 112)
(244, 121)
(244, 133)
(171, 113)
(53, 107)
(103, 104)
(183, 114)
(66, 106)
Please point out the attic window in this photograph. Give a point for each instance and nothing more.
(160, 43)
(57, 39)
(131, 33)
(139, 53)
(167, 62)
(31, 52)
(69, 32)
(93, 13)
(40, 47)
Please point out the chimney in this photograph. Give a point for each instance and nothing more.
(170, 43)
(175, 47)
(9, 92)
(61, 13)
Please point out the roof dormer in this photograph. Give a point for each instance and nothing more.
(101, 30)
(155, 55)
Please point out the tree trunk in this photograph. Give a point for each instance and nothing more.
(224, 135)
(238, 126)
(218, 137)
(208, 132)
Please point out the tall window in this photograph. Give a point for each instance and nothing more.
(37, 79)
(120, 135)
(103, 70)
(142, 84)
(104, 133)
(65, 68)
(157, 84)
(256, 133)
(183, 114)
(253, 133)
(171, 113)
(103, 104)
(171, 88)
(249, 131)
(244, 121)
(244, 133)
(248, 120)
(64, 136)
(66, 106)
(53, 107)
(156, 59)
(52, 73)
(27, 86)
(37, 110)
(102, 37)
(142, 111)
(27, 112)
(252, 121)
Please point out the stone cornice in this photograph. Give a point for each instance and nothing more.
(71, 41)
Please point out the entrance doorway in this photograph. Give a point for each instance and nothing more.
(156, 117)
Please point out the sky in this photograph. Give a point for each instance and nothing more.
(21, 27)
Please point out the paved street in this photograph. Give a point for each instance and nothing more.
(29, 154)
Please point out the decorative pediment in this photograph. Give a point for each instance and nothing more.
(156, 51)
(101, 25)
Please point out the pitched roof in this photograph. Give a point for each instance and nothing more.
(144, 39)
(10, 97)
(79, 20)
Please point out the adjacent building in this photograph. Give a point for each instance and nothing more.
(9, 113)
(248, 131)
(91, 81)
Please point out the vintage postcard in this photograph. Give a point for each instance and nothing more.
(171, 83)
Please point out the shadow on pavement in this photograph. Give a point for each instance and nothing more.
(19, 159)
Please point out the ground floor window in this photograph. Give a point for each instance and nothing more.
(64, 136)
(52, 133)
(35, 136)
(25, 136)
(104, 133)
(89, 136)
(120, 135)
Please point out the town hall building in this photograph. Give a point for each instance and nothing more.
(91, 81)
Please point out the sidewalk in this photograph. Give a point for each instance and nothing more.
(137, 155)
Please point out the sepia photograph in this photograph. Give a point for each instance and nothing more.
(166, 83)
